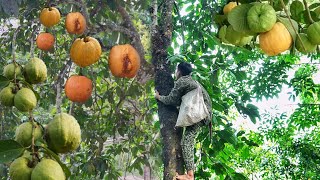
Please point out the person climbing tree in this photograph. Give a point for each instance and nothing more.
(184, 84)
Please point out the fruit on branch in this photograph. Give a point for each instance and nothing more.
(11, 69)
(63, 133)
(48, 169)
(7, 96)
(78, 88)
(275, 41)
(35, 71)
(313, 33)
(20, 170)
(23, 133)
(85, 51)
(124, 61)
(261, 17)
(50, 16)
(227, 8)
(237, 38)
(25, 100)
(308, 46)
(222, 34)
(75, 23)
(45, 41)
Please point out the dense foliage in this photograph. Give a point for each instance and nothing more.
(120, 130)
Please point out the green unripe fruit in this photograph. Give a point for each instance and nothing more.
(25, 100)
(24, 133)
(237, 38)
(35, 71)
(261, 17)
(223, 33)
(11, 69)
(48, 169)
(308, 46)
(7, 96)
(19, 169)
(63, 133)
(313, 33)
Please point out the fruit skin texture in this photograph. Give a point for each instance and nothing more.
(306, 43)
(78, 88)
(75, 23)
(19, 169)
(85, 51)
(24, 133)
(124, 61)
(25, 100)
(50, 16)
(48, 169)
(237, 38)
(7, 96)
(275, 41)
(45, 41)
(222, 34)
(10, 69)
(63, 133)
(261, 17)
(313, 33)
(227, 8)
(35, 71)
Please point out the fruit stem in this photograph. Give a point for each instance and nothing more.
(32, 135)
(14, 52)
(295, 30)
(308, 11)
(80, 72)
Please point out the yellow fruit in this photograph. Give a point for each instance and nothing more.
(35, 71)
(63, 133)
(11, 69)
(49, 16)
(227, 8)
(7, 96)
(85, 51)
(275, 41)
(48, 169)
(20, 170)
(25, 100)
(24, 133)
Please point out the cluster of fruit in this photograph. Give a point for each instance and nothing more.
(62, 135)
(276, 34)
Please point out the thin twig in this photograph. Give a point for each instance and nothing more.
(295, 30)
(32, 141)
(14, 53)
(308, 11)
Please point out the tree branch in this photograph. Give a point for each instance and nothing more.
(295, 30)
(308, 11)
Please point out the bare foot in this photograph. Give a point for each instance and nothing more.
(184, 177)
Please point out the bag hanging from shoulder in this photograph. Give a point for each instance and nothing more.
(192, 108)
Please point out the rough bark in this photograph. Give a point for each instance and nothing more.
(161, 40)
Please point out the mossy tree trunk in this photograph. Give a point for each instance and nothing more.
(161, 40)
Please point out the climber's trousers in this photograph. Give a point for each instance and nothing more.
(187, 144)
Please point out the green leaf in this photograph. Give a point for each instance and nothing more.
(286, 22)
(252, 111)
(4, 82)
(238, 18)
(217, 106)
(296, 8)
(10, 150)
(219, 19)
(56, 157)
(228, 136)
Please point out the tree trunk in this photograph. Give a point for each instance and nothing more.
(146, 172)
(161, 40)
